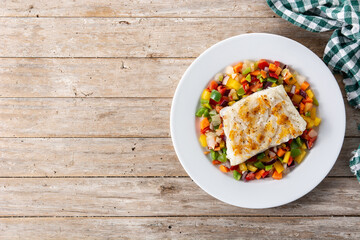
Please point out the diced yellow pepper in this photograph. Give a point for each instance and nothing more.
(202, 140)
(231, 83)
(274, 85)
(299, 158)
(297, 85)
(310, 124)
(205, 95)
(231, 103)
(287, 157)
(317, 121)
(243, 167)
(304, 146)
(251, 167)
(313, 113)
(310, 93)
(222, 144)
(278, 166)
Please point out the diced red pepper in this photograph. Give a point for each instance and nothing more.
(256, 86)
(203, 131)
(277, 63)
(254, 79)
(250, 176)
(221, 89)
(265, 174)
(212, 102)
(218, 108)
(216, 162)
(273, 75)
(236, 167)
(291, 159)
(310, 142)
(213, 85)
(246, 87)
(263, 64)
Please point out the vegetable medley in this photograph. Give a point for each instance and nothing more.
(238, 82)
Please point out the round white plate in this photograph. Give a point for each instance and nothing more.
(263, 193)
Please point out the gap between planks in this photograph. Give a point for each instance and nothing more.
(185, 216)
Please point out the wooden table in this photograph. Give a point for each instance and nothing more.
(85, 149)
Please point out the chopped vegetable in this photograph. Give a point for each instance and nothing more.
(236, 175)
(231, 83)
(215, 95)
(243, 167)
(278, 166)
(299, 158)
(295, 152)
(251, 167)
(246, 71)
(305, 85)
(224, 169)
(238, 67)
(214, 155)
(281, 152)
(204, 123)
(259, 164)
(259, 174)
(205, 95)
(268, 167)
(213, 85)
(277, 175)
(202, 140)
(260, 156)
(270, 79)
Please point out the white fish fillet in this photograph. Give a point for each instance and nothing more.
(262, 120)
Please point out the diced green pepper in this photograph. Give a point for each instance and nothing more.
(200, 112)
(260, 156)
(256, 65)
(224, 150)
(206, 113)
(222, 157)
(262, 79)
(203, 101)
(307, 114)
(259, 164)
(259, 89)
(270, 79)
(295, 152)
(214, 155)
(215, 95)
(246, 71)
(236, 175)
(294, 145)
(315, 101)
(241, 91)
(299, 142)
(207, 106)
(248, 78)
(268, 167)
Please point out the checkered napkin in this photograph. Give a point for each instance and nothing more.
(342, 52)
(355, 163)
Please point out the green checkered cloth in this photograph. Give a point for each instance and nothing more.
(342, 52)
(355, 163)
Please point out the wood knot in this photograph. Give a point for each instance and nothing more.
(167, 189)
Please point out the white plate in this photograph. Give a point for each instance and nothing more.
(262, 193)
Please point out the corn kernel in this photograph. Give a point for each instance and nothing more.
(274, 85)
(231, 103)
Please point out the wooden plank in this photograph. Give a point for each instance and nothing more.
(156, 197)
(93, 117)
(140, 8)
(181, 228)
(84, 77)
(135, 37)
(54, 157)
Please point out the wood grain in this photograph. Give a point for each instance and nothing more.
(135, 37)
(156, 197)
(84, 77)
(139, 8)
(98, 117)
(55, 157)
(181, 228)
